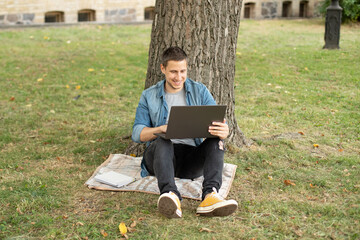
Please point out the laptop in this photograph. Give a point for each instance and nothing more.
(192, 121)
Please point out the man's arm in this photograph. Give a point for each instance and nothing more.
(147, 134)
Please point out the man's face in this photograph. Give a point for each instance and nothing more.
(175, 75)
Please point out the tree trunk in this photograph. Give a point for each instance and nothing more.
(207, 30)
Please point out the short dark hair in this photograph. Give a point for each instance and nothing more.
(173, 54)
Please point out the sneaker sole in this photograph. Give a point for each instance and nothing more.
(168, 208)
(218, 210)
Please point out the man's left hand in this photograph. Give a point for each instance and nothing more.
(219, 129)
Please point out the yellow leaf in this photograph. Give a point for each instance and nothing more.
(78, 87)
(67, 86)
(306, 69)
(122, 228)
(46, 38)
(270, 178)
(289, 182)
(91, 70)
(312, 186)
(316, 145)
(102, 231)
(133, 155)
(40, 79)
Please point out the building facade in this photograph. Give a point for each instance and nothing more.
(73, 11)
(14, 12)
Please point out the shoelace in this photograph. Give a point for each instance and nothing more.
(216, 194)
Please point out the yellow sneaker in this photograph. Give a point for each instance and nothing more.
(169, 205)
(215, 205)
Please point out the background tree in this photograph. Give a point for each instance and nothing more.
(207, 31)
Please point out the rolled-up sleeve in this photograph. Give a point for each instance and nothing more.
(142, 119)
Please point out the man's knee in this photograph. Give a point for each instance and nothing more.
(163, 144)
(215, 144)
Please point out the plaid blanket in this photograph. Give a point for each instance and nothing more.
(130, 166)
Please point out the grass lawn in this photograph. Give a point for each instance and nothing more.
(68, 99)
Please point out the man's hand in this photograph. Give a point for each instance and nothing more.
(219, 129)
(147, 134)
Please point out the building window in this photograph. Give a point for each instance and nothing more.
(286, 9)
(52, 17)
(86, 15)
(249, 10)
(149, 13)
(303, 9)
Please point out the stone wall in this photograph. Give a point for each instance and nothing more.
(22, 18)
(120, 15)
(269, 9)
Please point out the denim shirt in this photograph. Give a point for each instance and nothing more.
(152, 110)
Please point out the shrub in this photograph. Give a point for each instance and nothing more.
(351, 9)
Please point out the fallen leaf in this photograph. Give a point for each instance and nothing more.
(12, 98)
(67, 86)
(289, 182)
(312, 186)
(315, 145)
(19, 211)
(133, 224)
(341, 150)
(79, 224)
(270, 178)
(102, 231)
(46, 38)
(122, 229)
(133, 155)
(306, 69)
(77, 87)
(40, 79)
(301, 133)
(91, 70)
(203, 229)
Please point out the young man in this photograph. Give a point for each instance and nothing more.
(182, 158)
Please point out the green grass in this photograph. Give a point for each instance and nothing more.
(53, 135)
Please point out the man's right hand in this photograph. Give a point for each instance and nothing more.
(147, 134)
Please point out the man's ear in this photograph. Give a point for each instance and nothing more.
(162, 68)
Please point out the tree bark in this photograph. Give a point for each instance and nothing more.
(207, 30)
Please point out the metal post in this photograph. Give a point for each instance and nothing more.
(332, 25)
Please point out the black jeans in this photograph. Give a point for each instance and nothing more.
(166, 160)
